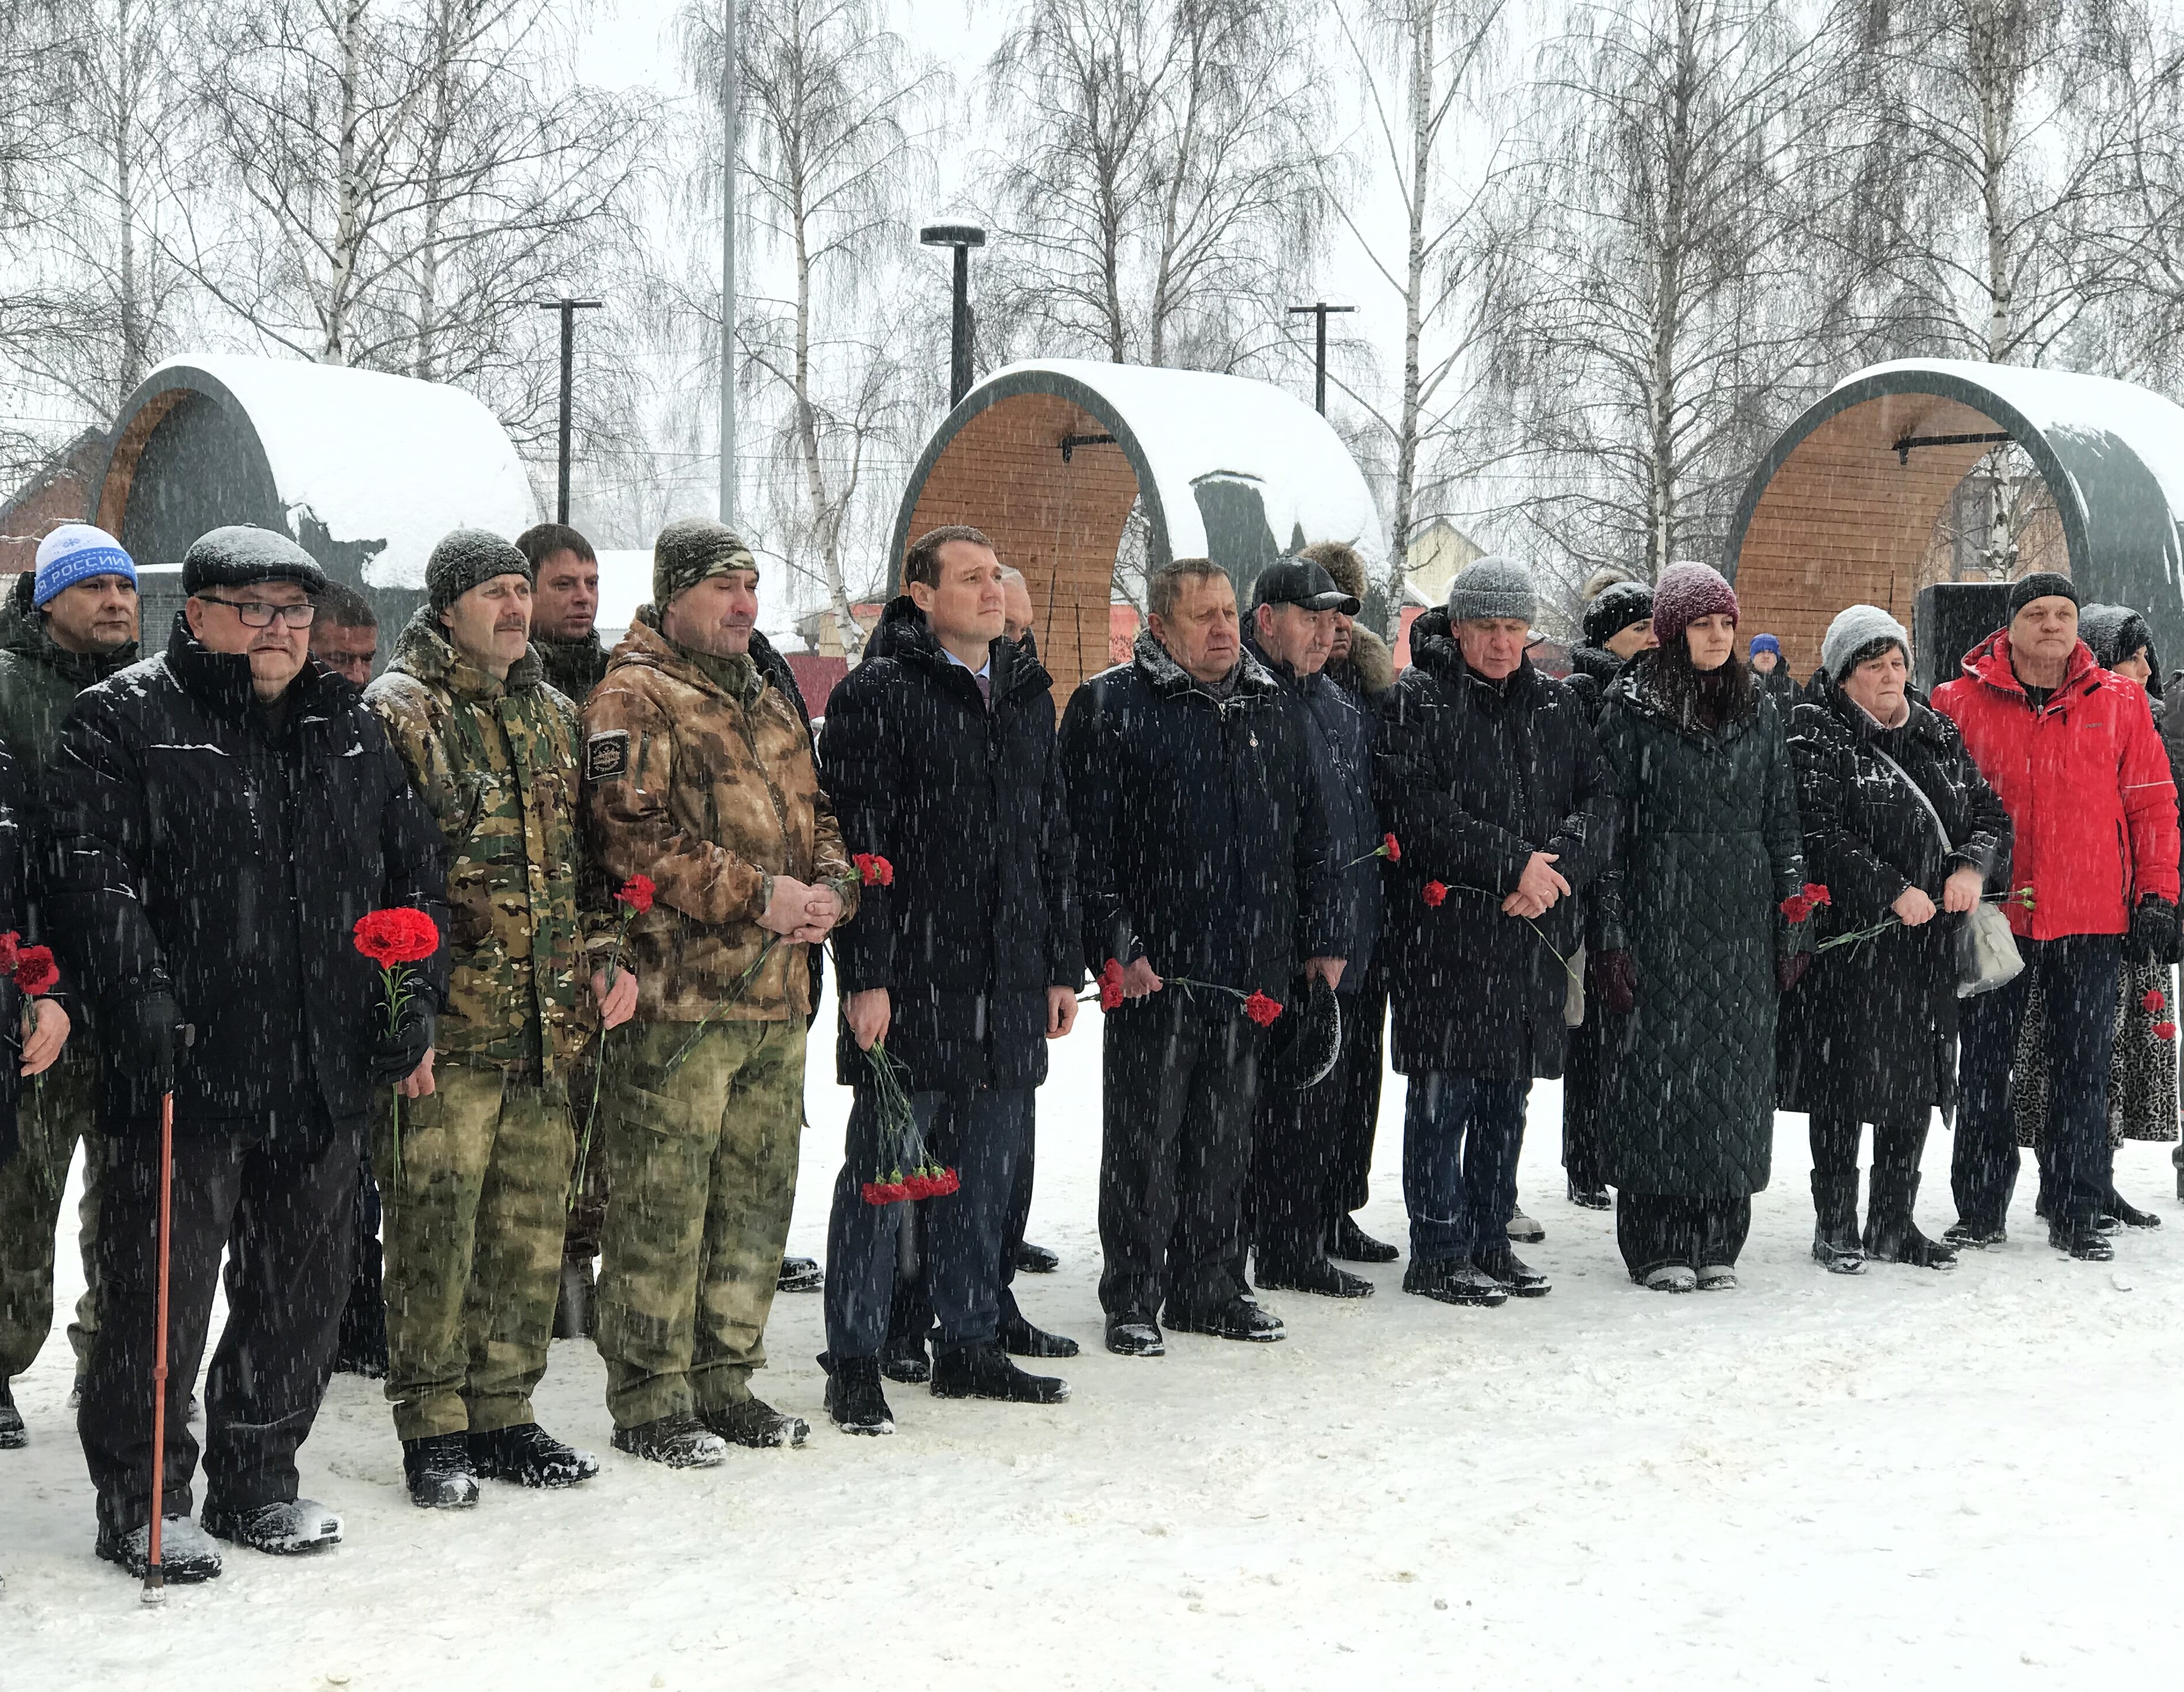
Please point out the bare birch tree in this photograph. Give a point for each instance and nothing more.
(1161, 180)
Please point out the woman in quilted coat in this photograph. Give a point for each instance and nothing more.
(2142, 1063)
(1696, 948)
(1903, 831)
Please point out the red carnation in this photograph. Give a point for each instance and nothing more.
(875, 870)
(1796, 907)
(35, 971)
(2165, 1031)
(872, 1193)
(402, 934)
(2154, 1001)
(9, 944)
(637, 893)
(918, 1185)
(1434, 892)
(1111, 984)
(1261, 1010)
(1817, 895)
(943, 1183)
(1389, 850)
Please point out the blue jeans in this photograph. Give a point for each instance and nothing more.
(2077, 975)
(981, 1135)
(1460, 1137)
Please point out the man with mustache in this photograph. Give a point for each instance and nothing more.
(475, 1191)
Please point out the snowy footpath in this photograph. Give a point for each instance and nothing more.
(1907, 1479)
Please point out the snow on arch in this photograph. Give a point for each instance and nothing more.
(1839, 512)
(1230, 468)
(366, 470)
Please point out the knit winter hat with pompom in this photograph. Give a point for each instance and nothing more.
(1685, 593)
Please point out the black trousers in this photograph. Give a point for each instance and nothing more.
(1359, 1072)
(2078, 976)
(1658, 1229)
(364, 1318)
(1585, 1073)
(911, 1314)
(1300, 1146)
(978, 1134)
(1180, 1083)
(284, 1209)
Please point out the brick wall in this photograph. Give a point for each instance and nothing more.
(1843, 522)
(1058, 523)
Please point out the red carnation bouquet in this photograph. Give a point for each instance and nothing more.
(395, 938)
(902, 1145)
(32, 968)
(1800, 905)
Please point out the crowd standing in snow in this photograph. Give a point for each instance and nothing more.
(504, 963)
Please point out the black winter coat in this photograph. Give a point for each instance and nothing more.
(198, 850)
(1593, 670)
(1341, 741)
(967, 804)
(1871, 1031)
(1710, 846)
(1202, 835)
(1473, 779)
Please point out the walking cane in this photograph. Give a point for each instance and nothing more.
(155, 1577)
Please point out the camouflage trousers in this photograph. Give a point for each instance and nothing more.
(472, 1228)
(702, 1161)
(59, 1108)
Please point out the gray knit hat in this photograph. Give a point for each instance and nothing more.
(467, 557)
(690, 550)
(1855, 630)
(1492, 587)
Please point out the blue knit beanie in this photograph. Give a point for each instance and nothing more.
(1766, 642)
(76, 552)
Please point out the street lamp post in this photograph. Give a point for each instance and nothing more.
(962, 237)
(730, 65)
(568, 309)
(1320, 310)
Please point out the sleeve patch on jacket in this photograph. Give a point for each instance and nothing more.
(606, 756)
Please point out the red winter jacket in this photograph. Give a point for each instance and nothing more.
(2086, 784)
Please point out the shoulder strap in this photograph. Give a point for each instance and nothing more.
(1918, 793)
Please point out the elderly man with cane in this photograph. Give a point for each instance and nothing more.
(222, 816)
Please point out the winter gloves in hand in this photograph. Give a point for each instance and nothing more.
(394, 1055)
(1790, 969)
(1615, 981)
(2152, 937)
(146, 1036)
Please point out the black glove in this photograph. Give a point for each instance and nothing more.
(394, 1055)
(2152, 937)
(144, 1037)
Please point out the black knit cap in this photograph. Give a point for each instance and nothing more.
(467, 557)
(2040, 585)
(1614, 608)
(242, 555)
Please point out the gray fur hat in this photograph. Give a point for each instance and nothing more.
(1855, 631)
(467, 557)
(1492, 587)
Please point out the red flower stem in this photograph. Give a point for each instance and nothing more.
(733, 994)
(1568, 969)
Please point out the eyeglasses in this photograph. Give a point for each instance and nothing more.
(256, 614)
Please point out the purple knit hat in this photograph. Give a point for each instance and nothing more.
(1685, 593)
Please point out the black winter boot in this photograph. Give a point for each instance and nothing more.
(856, 1401)
(680, 1441)
(755, 1422)
(986, 1371)
(2127, 1213)
(1835, 1246)
(528, 1455)
(290, 1529)
(439, 1472)
(1891, 1236)
(1353, 1244)
(12, 1434)
(903, 1358)
(2082, 1240)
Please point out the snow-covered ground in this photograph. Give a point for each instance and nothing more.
(1908, 1478)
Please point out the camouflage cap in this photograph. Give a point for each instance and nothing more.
(467, 557)
(690, 550)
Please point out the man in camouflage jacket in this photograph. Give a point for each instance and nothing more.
(698, 774)
(476, 1189)
(67, 627)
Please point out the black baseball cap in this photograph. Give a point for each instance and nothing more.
(1300, 582)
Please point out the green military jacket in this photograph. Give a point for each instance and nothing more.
(39, 682)
(497, 765)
